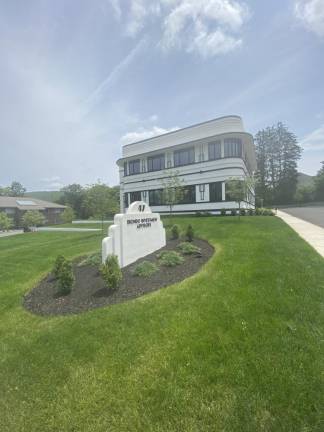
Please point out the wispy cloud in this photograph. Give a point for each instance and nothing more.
(205, 27)
(314, 140)
(311, 15)
(142, 134)
(101, 90)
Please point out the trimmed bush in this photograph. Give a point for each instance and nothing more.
(145, 269)
(233, 212)
(170, 258)
(243, 212)
(223, 212)
(65, 279)
(58, 265)
(92, 260)
(258, 212)
(175, 232)
(250, 212)
(189, 233)
(189, 249)
(111, 272)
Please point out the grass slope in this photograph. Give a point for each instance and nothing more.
(238, 347)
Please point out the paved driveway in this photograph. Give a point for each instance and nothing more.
(314, 214)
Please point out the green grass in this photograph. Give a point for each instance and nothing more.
(83, 225)
(237, 347)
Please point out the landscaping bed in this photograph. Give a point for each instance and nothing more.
(90, 292)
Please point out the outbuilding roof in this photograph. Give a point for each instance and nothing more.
(27, 203)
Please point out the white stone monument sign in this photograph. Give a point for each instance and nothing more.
(134, 235)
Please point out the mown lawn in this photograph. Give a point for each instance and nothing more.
(237, 347)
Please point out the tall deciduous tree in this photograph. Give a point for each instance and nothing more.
(73, 196)
(277, 155)
(16, 189)
(101, 201)
(173, 189)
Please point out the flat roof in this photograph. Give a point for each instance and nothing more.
(184, 128)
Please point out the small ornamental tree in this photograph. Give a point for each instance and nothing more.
(5, 222)
(190, 233)
(58, 265)
(33, 218)
(173, 189)
(111, 272)
(65, 279)
(237, 190)
(68, 215)
(175, 232)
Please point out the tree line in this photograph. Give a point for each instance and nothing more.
(278, 153)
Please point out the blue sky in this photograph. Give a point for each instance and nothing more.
(80, 78)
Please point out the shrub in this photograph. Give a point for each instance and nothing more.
(145, 269)
(170, 258)
(267, 212)
(33, 218)
(250, 212)
(68, 215)
(189, 233)
(223, 212)
(175, 232)
(92, 260)
(189, 249)
(65, 278)
(58, 265)
(258, 212)
(111, 272)
(5, 222)
(233, 212)
(243, 212)
(203, 214)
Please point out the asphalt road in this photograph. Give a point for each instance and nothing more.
(314, 214)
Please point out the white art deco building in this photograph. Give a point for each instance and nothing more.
(204, 155)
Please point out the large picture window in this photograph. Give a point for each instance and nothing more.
(134, 167)
(232, 147)
(184, 157)
(215, 192)
(189, 196)
(156, 163)
(135, 196)
(156, 197)
(214, 150)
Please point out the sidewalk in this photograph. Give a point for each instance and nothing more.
(10, 233)
(313, 234)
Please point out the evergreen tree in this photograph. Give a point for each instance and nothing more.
(277, 155)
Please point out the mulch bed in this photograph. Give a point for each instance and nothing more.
(89, 291)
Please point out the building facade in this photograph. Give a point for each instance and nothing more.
(15, 207)
(204, 156)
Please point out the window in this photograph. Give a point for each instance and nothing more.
(125, 168)
(126, 200)
(215, 192)
(202, 189)
(156, 163)
(189, 196)
(184, 157)
(156, 197)
(214, 150)
(232, 147)
(135, 196)
(134, 167)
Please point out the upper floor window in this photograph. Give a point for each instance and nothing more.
(232, 147)
(214, 150)
(134, 167)
(156, 163)
(184, 157)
